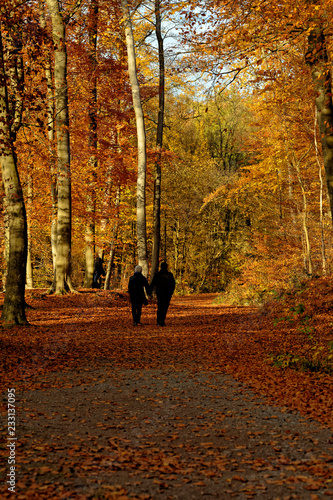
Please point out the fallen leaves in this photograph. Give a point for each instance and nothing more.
(63, 339)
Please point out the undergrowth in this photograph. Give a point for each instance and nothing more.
(310, 353)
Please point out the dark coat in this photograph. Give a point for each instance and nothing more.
(136, 288)
(164, 283)
(98, 272)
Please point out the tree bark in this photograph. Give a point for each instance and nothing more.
(317, 59)
(51, 134)
(63, 254)
(91, 195)
(321, 193)
(13, 312)
(113, 243)
(159, 144)
(29, 278)
(141, 140)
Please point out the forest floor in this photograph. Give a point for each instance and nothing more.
(224, 402)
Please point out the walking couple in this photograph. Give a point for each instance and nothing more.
(138, 288)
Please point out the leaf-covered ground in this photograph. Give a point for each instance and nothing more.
(225, 402)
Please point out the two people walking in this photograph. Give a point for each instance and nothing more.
(138, 288)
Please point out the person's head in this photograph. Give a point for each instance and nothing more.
(138, 269)
(164, 266)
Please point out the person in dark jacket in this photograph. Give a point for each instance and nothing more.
(137, 286)
(164, 283)
(98, 272)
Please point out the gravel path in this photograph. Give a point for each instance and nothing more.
(154, 434)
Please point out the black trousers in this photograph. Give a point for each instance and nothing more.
(163, 302)
(136, 309)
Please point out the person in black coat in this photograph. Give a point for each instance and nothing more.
(137, 286)
(98, 272)
(164, 283)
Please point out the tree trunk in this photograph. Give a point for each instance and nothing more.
(63, 257)
(141, 137)
(321, 192)
(317, 59)
(6, 243)
(159, 143)
(176, 244)
(13, 312)
(307, 244)
(113, 244)
(91, 195)
(50, 132)
(30, 283)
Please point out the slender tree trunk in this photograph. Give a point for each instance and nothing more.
(317, 59)
(176, 243)
(63, 257)
(105, 210)
(6, 243)
(14, 305)
(159, 144)
(91, 195)
(321, 192)
(30, 283)
(165, 237)
(50, 131)
(113, 244)
(308, 258)
(141, 138)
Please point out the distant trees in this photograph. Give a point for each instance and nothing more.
(204, 239)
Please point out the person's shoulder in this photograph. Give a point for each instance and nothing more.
(142, 278)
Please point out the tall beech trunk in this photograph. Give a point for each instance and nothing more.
(29, 206)
(159, 143)
(63, 256)
(141, 138)
(13, 312)
(6, 243)
(318, 61)
(92, 138)
(321, 195)
(113, 243)
(50, 108)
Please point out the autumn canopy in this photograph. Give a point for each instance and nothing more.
(200, 133)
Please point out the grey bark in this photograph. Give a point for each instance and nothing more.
(321, 193)
(93, 140)
(141, 141)
(50, 112)
(14, 304)
(318, 61)
(63, 254)
(29, 247)
(113, 243)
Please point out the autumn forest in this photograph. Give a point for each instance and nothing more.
(199, 133)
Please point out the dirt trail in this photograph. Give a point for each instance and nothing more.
(160, 423)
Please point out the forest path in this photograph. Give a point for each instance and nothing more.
(148, 412)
